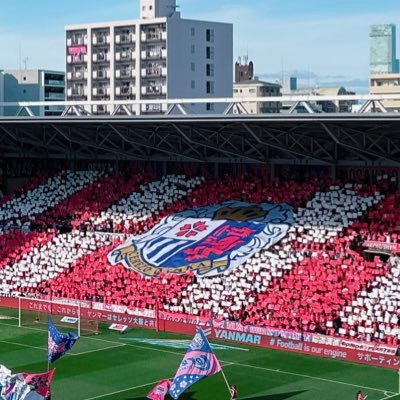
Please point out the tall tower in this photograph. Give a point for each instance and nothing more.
(383, 49)
(157, 8)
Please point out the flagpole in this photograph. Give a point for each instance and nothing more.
(222, 371)
(226, 381)
(48, 329)
(399, 379)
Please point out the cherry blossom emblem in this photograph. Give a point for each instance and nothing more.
(189, 230)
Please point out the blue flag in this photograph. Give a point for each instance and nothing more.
(198, 363)
(58, 343)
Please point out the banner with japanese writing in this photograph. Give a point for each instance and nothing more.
(207, 241)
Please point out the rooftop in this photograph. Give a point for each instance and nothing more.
(257, 82)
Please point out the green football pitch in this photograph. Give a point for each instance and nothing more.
(111, 366)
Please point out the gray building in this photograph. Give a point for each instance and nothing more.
(383, 49)
(33, 85)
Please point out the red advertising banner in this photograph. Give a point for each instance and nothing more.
(72, 310)
(312, 344)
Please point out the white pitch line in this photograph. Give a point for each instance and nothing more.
(122, 391)
(245, 365)
(68, 354)
(23, 345)
(390, 397)
(225, 364)
(94, 351)
(314, 377)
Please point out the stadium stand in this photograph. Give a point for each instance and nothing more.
(317, 279)
(19, 209)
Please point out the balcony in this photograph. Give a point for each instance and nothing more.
(153, 108)
(157, 90)
(124, 39)
(83, 58)
(124, 73)
(59, 109)
(100, 109)
(101, 74)
(123, 56)
(124, 90)
(153, 36)
(154, 55)
(54, 96)
(54, 82)
(77, 41)
(101, 91)
(101, 57)
(101, 39)
(154, 72)
(77, 76)
(77, 92)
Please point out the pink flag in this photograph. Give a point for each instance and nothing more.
(198, 363)
(39, 382)
(160, 390)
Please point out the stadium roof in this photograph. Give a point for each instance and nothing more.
(321, 139)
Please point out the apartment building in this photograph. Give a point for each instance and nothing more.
(386, 84)
(158, 56)
(257, 88)
(32, 85)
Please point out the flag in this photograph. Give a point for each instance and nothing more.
(198, 363)
(160, 390)
(12, 387)
(24, 386)
(58, 343)
(40, 383)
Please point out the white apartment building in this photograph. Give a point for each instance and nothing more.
(158, 56)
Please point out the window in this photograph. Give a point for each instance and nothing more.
(193, 84)
(210, 87)
(210, 35)
(252, 90)
(210, 106)
(210, 53)
(193, 67)
(192, 32)
(210, 69)
(192, 49)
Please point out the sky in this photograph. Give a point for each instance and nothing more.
(322, 40)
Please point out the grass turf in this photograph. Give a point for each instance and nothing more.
(111, 367)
